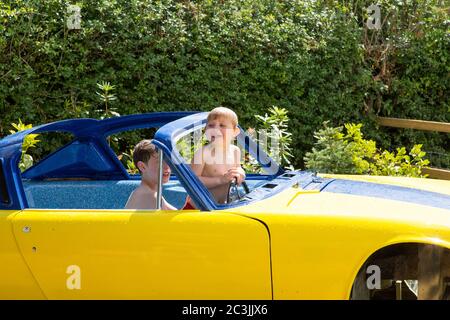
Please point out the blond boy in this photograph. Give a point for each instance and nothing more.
(219, 162)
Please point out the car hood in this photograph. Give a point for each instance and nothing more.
(391, 192)
(433, 185)
(355, 200)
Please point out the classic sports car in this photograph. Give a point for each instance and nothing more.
(290, 235)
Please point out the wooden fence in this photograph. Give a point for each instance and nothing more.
(414, 124)
(435, 173)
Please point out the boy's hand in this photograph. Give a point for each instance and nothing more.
(235, 173)
(228, 177)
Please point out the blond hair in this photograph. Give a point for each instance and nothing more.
(143, 151)
(223, 112)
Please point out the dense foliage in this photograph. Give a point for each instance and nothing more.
(274, 137)
(317, 59)
(346, 151)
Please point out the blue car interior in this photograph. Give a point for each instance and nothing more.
(97, 194)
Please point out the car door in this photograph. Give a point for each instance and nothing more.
(108, 254)
(16, 280)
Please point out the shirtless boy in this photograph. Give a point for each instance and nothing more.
(146, 160)
(218, 163)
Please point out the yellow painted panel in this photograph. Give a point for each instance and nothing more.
(16, 280)
(146, 254)
(320, 240)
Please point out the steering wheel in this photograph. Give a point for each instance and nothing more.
(233, 191)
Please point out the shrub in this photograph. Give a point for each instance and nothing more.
(30, 141)
(347, 152)
(273, 136)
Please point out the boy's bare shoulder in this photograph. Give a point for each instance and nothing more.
(141, 198)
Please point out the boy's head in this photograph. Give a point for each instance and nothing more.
(146, 160)
(221, 126)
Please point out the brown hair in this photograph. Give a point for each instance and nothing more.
(143, 151)
(223, 112)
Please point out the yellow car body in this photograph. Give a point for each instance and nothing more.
(295, 243)
(310, 248)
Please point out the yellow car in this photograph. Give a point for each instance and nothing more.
(289, 235)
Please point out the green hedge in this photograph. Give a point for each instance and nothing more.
(309, 57)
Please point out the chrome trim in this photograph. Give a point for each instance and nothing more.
(160, 177)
